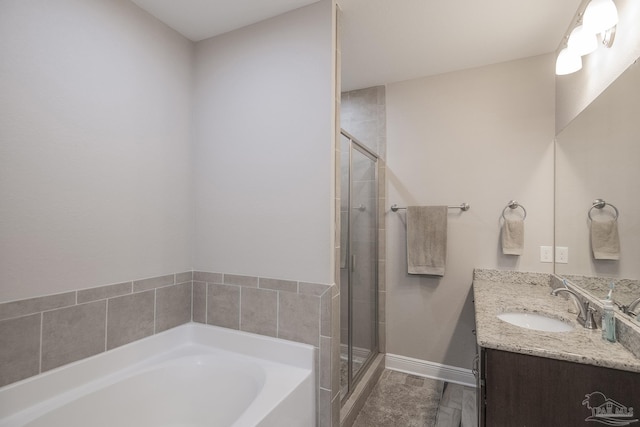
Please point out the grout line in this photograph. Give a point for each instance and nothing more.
(41, 329)
(206, 303)
(240, 309)
(192, 300)
(155, 309)
(278, 314)
(106, 324)
(320, 323)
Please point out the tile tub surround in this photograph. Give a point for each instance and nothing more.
(497, 292)
(296, 311)
(42, 333)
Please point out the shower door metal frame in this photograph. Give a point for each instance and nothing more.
(351, 380)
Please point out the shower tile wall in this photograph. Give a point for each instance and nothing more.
(42, 333)
(363, 115)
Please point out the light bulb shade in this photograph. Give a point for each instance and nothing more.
(582, 42)
(568, 62)
(599, 16)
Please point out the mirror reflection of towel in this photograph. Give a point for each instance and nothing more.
(426, 239)
(605, 241)
(512, 236)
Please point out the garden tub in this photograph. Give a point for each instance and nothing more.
(194, 375)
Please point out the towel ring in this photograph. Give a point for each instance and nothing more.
(600, 204)
(513, 205)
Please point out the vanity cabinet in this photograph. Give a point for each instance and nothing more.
(522, 390)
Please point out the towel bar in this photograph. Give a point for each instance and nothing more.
(600, 204)
(514, 205)
(462, 206)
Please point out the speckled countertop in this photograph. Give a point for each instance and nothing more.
(497, 292)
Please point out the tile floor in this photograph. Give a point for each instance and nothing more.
(457, 407)
(404, 400)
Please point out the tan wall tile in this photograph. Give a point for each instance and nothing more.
(20, 348)
(173, 306)
(258, 311)
(130, 318)
(72, 333)
(223, 306)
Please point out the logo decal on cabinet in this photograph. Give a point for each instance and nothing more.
(608, 411)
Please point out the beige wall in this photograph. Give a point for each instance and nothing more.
(98, 160)
(575, 91)
(481, 136)
(263, 128)
(94, 152)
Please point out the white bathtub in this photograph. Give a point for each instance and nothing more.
(192, 375)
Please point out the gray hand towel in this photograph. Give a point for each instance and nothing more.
(605, 242)
(426, 239)
(512, 236)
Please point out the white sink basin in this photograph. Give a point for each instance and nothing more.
(538, 322)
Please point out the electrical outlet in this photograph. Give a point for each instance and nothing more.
(562, 254)
(546, 254)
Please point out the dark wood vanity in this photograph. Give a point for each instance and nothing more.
(523, 390)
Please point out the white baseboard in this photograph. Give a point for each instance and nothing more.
(424, 368)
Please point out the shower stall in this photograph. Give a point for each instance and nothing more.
(358, 261)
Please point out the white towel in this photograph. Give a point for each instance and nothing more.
(512, 236)
(605, 242)
(426, 239)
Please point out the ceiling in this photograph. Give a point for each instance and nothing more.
(386, 41)
(201, 19)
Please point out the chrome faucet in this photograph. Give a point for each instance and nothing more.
(585, 318)
(629, 309)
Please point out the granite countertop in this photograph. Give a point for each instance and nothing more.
(496, 293)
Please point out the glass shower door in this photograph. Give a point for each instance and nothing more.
(359, 260)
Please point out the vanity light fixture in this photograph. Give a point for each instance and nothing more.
(568, 62)
(600, 15)
(609, 36)
(581, 41)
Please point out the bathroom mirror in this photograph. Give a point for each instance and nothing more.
(598, 157)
